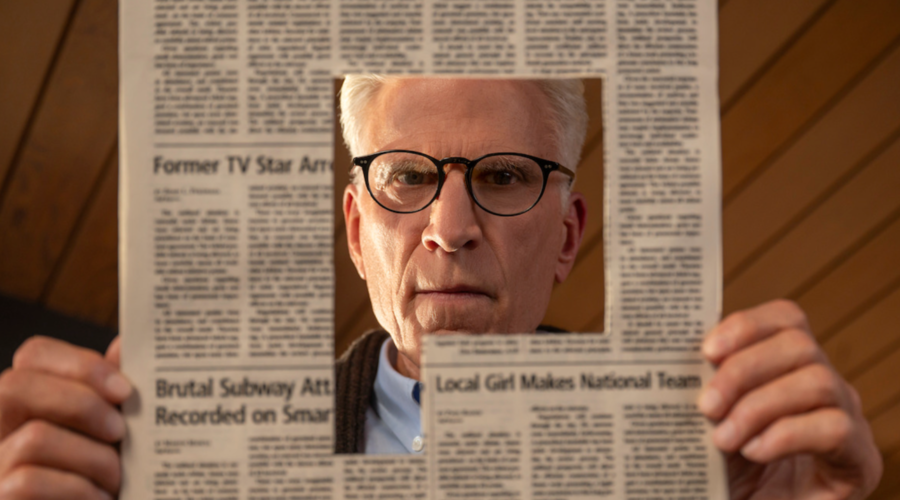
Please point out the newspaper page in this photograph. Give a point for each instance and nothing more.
(227, 279)
(564, 416)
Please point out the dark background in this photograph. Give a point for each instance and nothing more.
(21, 320)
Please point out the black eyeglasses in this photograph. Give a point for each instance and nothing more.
(503, 184)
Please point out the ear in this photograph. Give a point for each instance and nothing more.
(573, 231)
(351, 223)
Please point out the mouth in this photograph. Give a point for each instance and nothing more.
(455, 292)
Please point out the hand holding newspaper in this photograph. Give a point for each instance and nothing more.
(227, 293)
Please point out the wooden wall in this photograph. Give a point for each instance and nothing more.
(58, 157)
(810, 104)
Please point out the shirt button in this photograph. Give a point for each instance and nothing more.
(418, 444)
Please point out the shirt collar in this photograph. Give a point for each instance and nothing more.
(394, 402)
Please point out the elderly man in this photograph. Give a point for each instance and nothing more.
(471, 243)
(451, 236)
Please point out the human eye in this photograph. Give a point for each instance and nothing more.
(412, 174)
(401, 172)
(501, 172)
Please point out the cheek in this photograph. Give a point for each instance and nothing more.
(386, 242)
(374, 243)
(528, 262)
(378, 267)
(537, 245)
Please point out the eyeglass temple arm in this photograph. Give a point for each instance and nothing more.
(566, 171)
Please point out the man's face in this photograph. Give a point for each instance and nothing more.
(454, 267)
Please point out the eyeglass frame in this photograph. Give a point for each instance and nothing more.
(547, 167)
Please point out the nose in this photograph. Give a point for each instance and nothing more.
(452, 224)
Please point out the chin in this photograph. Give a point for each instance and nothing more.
(445, 331)
(449, 322)
(450, 329)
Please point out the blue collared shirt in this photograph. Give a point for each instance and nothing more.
(395, 424)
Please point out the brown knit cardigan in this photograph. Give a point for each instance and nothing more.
(354, 385)
(355, 373)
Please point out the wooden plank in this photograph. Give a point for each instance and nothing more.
(342, 161)
(853, 284)
(886, 430)
(879, 494)
(751, 32)
(590, 184)
(833, 228)
(870, 336)
(889, 488)
(576, 301)
(350, 289)
(114, 319)
(73, 132)
(593, 97)
(597, 324)
(868, 115)
(877, 386)
(802, 82)
(29, 35)
(86, 286)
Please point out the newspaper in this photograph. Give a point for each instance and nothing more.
(227, 280)
(564, 416)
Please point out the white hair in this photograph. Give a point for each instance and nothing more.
(569, 117)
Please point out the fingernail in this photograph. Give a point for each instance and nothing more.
(725, 434)
(715, 346)
(117, 386)
(752, 447)
(709, 401)
(104, 495)
(115, 426)
(707, 347)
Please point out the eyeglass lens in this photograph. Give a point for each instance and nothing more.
(503, 184)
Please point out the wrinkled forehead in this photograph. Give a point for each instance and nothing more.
(448, 117)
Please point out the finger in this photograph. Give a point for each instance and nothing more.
(829, 433)
(66, 360)
(114, 352)
(35, 482)
(27, 395)
(812, 387)
(44, 444)
(755, 366)
(747, 327)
